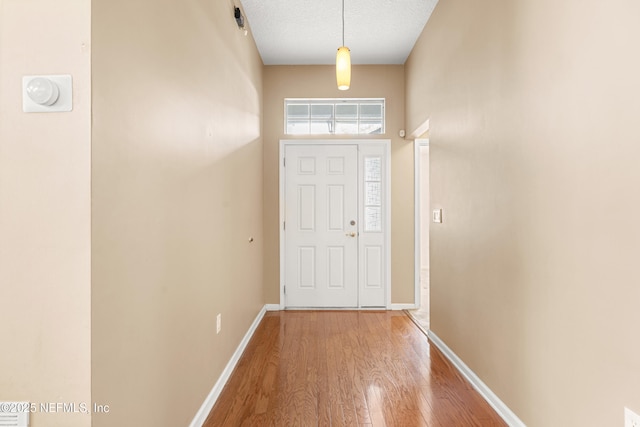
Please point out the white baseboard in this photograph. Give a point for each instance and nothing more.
(417, 322)
(206, 407)
(403, 307)
(498, 405)
(276, 307)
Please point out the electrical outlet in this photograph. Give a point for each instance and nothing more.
(631, 419)
(219, 324)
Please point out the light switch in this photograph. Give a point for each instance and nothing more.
(437, 215)
(47, 94)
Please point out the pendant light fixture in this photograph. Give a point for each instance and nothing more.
(343, 62)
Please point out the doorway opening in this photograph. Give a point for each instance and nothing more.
(422, 219)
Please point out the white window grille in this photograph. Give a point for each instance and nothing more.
(340, 116)
(373, 193)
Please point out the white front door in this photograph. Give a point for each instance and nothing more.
(321, 229)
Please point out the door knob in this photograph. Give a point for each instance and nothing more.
(352, 234)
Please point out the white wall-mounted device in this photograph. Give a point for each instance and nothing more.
(437, 215)
(47, 94)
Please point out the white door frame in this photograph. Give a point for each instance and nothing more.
(418, 142)
(386, 144)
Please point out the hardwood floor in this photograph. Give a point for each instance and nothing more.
(346, 368)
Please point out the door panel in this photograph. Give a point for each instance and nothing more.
(307, 267)
(335, 267)
(306, 207)
(321, 213)
(373, 267)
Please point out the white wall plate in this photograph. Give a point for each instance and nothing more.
(65, 97)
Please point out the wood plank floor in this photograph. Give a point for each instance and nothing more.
(346, 368)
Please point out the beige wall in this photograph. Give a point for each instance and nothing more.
(369, 81)
(533, 108)
(177, 193)
(45, 212)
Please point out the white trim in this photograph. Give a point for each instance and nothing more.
(358, 142)
(387, 234)
(336, 308)
(417, 217)
(281, 221)
(420, 130)
(272, 307)
(206, 407)
(402, 306)
(498, 405)
(417, 241)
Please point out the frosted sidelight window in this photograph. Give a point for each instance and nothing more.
(372, 169)
(372, 194)
(337, 116)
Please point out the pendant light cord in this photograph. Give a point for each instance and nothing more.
(342, 22)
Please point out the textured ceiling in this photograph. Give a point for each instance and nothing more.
(289, 32)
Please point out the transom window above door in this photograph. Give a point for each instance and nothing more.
(337, 116)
